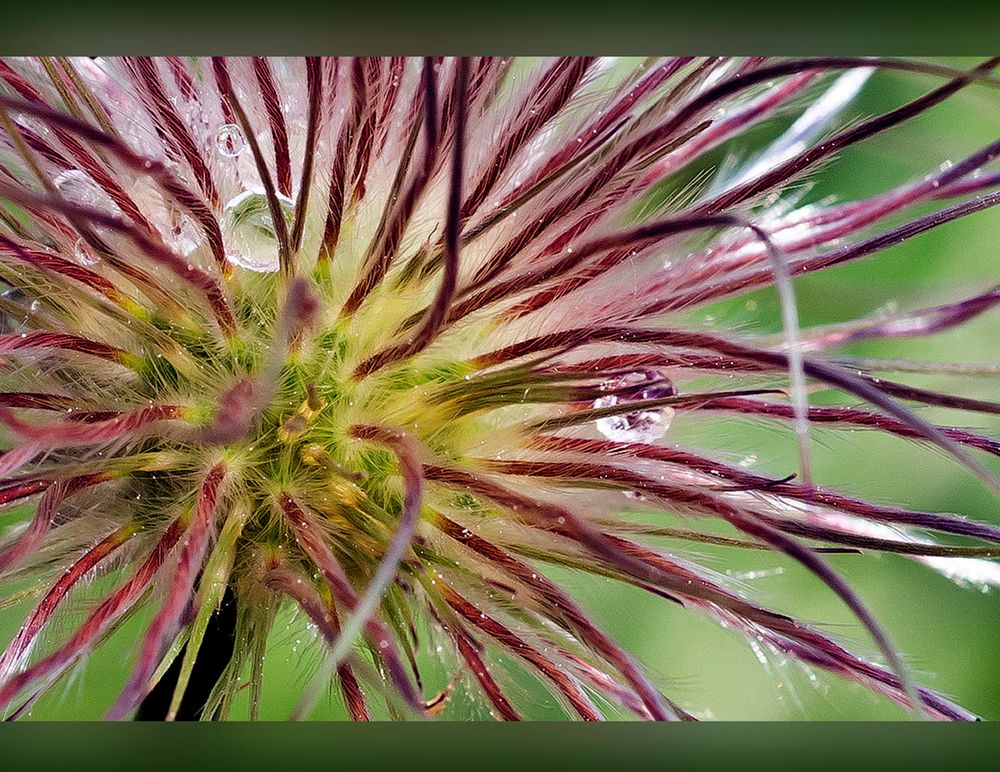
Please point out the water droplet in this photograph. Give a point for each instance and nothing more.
(749, 576)
(184, 236)
(82, 253)
(229, 140)
(79, 188)
(645, 425)
(249, 232)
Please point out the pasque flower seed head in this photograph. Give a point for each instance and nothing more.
(385, 339)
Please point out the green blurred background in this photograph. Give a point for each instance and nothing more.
(948, 633)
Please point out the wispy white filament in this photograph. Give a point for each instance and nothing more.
(813, 122)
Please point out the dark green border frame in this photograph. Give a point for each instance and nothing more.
(438, 747)
(924, 27)
(516, 26)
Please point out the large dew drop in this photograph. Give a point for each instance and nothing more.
(644, 425)
(249, 234)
